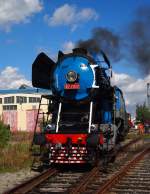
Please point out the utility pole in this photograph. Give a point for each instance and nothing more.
(148, 95)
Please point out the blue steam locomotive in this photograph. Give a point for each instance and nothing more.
(88, 114)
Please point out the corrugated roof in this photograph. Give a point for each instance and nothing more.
(25, 91)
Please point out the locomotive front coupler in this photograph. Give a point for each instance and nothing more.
(79, 144)
(68, 146)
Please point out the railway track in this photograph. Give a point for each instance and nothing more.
(33, 182)
(56, 181)
(134, 177)
(123, 180)
(120, 179)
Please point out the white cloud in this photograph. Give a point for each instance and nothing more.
(68, 46)
(70, 15)
(11, 78)
(14, 12)
(134, 89)
(87, 14)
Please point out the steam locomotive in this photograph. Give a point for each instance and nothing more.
(87, 114)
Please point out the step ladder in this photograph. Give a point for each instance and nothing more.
(41, 119)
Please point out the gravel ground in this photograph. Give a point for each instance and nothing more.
(9, 180)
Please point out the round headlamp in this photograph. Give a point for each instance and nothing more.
(71, 76)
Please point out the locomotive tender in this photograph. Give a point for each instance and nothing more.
(88, 115)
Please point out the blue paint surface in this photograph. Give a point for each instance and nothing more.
(107, 117)
(81, 66)
(118, 99)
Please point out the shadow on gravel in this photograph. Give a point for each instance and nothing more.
(73, 167)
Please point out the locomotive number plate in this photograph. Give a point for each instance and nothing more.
(72, 86)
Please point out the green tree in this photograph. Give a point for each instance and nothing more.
(4, 134)
(142, 113)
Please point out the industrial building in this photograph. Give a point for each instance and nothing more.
(18, 108)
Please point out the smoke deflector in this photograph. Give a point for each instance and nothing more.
(42, 69)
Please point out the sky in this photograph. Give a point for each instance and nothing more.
(28, 27)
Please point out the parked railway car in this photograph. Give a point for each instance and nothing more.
(88, 114)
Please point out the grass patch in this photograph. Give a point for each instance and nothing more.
(16, 154)
(147, 136)
(20, 136)
(15, 157)
(135, 134)
(132, 135)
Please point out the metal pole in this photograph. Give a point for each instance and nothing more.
(90, 119)
(148, 95)
(58, 117)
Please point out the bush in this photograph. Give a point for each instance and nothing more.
(4, 134)
(142, 113)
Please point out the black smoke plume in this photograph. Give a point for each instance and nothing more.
(139, 39)
(102, 39)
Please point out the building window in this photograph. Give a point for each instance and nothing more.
(10, 107)
(9, 100)
(21, 99)
(0, 100)
(34, 100)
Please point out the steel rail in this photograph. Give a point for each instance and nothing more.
(85, 181)
(130, 143)
(31, 183)
(124, 170)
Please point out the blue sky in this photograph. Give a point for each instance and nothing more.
(28, 27)
(20, 45)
